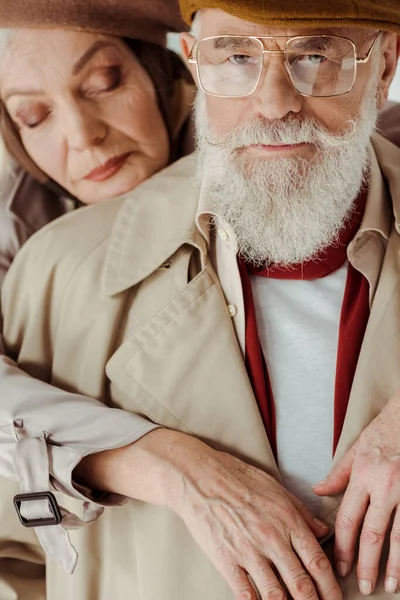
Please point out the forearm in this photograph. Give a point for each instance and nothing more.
(153, 469)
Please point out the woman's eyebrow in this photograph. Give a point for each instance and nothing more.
(78, 66)
(84, 59)
(18, 92)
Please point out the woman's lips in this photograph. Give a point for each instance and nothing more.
(108, 169)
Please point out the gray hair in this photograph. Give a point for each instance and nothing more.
(196, 25)
(8, 166)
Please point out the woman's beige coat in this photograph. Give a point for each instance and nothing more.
(121, 302)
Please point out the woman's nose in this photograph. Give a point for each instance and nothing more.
(276, 95)
(83, 129)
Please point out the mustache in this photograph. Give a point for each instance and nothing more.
(290, 131)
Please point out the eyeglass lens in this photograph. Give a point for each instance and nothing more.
(318, 65)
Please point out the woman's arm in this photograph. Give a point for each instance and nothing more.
(45, 432)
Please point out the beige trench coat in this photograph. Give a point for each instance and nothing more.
(25, 207)
(121, 302)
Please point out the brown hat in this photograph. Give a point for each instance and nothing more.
(374, 14)
(147, 20)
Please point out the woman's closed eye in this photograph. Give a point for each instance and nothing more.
(102, 80)
(32, 116)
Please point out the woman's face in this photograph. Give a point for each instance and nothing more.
(86, 111)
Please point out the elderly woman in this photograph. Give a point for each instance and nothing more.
(97, 115)
(87, 116)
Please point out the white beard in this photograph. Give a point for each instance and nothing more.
(285, 210)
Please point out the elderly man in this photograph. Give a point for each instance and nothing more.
(247, 301)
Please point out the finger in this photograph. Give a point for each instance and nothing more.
(265, 580)
(339, 476)
(372, 537)
(392, 578)
(318, 528)
(348, 522)
(238, 581)
(317, 566)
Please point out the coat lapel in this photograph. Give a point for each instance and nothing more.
(181, 366)
(184, 370)
(377, 377)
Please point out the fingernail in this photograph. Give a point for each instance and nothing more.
(365, 587)
(323, 482)
(320, 524)
(391, 585)
(342, 568)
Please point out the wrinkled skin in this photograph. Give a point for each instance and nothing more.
(369, 474)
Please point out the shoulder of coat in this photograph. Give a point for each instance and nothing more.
(67, 241)
(387, 152)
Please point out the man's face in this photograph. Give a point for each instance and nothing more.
(275, 97)
(282, 168)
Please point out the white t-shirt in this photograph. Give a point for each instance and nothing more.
(298, 325)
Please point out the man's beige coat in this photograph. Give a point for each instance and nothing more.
(120, 302)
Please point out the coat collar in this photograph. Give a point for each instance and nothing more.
(155, 221)
(389, 161)
(160, 216)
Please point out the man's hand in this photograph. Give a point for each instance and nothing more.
(248, 525)
(370, 474)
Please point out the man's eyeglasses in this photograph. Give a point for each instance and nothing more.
(318, 66)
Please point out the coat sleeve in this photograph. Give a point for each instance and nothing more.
(22, 560)
(61, 428)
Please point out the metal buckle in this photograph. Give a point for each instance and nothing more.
(53, 504)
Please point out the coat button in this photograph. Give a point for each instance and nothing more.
(232, 310)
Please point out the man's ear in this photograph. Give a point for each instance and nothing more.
(389, 60)
(187, 41)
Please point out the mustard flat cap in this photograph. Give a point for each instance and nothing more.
(374, 14)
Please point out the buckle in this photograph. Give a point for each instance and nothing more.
(34, 496)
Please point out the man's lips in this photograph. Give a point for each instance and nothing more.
(278, 147)
(108, 169)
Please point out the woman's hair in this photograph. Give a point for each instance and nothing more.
(167, 73)
(7, 163)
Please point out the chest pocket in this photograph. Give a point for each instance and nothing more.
(153, 308)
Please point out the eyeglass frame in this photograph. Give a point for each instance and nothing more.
(194, 60)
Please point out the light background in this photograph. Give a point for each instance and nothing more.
(394, 92)
(395, 89)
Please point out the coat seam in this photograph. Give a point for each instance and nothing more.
(169, 412)
(71, 277)
(169, 322)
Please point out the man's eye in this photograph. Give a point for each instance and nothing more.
(240, 59)
(313, 59)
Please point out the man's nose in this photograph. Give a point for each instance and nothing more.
(276, 95)
(83, 128)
